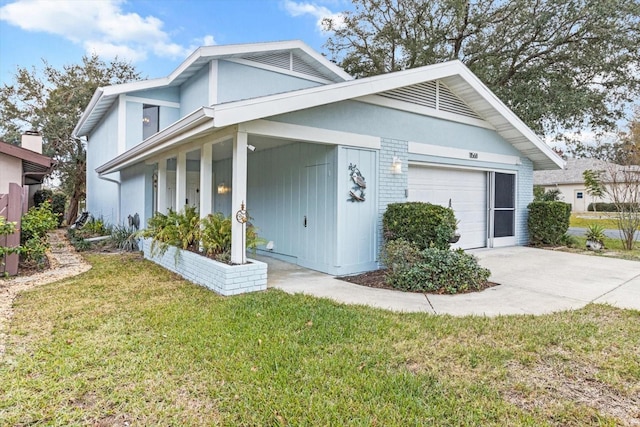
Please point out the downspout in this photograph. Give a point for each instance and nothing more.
(119, 195)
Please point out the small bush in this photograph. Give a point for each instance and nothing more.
(125, 238)
(440, 270)
(33, 234)
(422, 224)
(41, 196)
(399, 254)
(542, 195)
(548, 222)
(58, 203)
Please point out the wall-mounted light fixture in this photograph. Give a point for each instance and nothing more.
(396, 165)
(223, 189)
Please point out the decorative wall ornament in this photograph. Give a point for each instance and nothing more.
(356, 193)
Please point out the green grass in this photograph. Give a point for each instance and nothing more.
(128, 342)
(584, 220)
(613, 247)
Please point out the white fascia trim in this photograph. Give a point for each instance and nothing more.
(309, 134)
(461, 154)
(152, 101)
(97, 95)
(511, 117)
(196, 122)
(425, 111)
(260, 65)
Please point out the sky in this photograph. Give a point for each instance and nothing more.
(154, 35)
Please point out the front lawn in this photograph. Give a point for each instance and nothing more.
(606, 220)
(128, 343)
(612, 248)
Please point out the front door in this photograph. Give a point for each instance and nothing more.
(503, 209)
(317, 218)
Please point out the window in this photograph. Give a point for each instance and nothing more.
(150, 120)
(579, 195)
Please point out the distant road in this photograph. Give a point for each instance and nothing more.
(613, 234)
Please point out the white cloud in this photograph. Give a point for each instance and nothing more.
(296, 9)
(102, 27)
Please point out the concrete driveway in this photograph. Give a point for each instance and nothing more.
(531, 281)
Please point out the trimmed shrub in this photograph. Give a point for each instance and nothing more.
(441, 271)
(422, 224)
(608, 207)
(399, 254)
(548, 222)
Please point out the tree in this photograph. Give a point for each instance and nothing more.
(542, 195)
(558, 64)
(52, 104)
(594, 186)
(624, 190)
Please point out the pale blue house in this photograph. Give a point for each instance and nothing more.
(315, 154)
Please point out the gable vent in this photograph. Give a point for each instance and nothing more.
(291, 62)
(433, 94)
(276, 59)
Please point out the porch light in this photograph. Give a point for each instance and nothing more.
(396, 165)
(222, 188)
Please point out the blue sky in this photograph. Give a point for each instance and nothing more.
(155, 35)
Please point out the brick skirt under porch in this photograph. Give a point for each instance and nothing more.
(219, 277)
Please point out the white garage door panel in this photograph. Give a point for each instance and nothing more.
(467, 191)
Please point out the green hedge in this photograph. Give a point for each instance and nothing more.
(422, 224)
(609, 207)
(548, 222)
(439, 270)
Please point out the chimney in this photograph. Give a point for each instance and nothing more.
(32, 140)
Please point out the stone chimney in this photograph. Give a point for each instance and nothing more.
(32, 140)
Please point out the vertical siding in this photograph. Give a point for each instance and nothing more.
(222, 172)
(238, 81)
(285, 184)
(133, 192)
(102, 196)
(357, 221)
(194, 93)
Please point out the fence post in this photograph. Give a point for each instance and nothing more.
(12, 212)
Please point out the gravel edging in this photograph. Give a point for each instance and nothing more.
(64, 262)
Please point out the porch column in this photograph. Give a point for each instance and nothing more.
(238, 195)
(162, 186)
(181, 181)
(206, 180)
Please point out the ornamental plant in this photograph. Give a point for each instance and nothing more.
(422, 224)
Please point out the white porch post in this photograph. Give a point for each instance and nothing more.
(206, 180)
(162, 186)
(181, 181)
(238, 196)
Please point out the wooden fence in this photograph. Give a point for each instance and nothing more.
(11, 207)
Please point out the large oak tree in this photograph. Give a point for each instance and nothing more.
(51, 103)
(559, 64)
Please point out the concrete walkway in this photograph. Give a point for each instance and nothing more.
(532, 281)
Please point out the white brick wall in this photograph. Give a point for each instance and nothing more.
(221, 278)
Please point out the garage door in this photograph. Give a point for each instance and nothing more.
(467, 191)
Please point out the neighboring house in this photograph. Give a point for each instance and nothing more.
(25, 166)
(570, 182)
(279, 127)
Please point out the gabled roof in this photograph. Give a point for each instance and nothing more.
(291, 55)
(572, 174)
(35, 166)
(458, 79)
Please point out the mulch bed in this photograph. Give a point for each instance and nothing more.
(376, 279)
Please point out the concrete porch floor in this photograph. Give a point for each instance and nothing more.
(532, 281)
